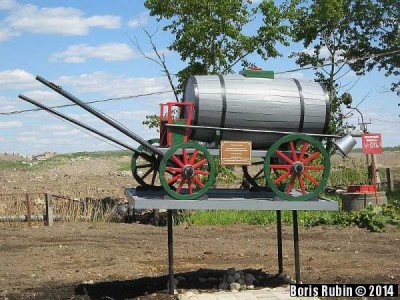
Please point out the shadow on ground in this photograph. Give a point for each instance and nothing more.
(156, 287)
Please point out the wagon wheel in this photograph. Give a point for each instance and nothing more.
(187, 171)
(145, 172)
(307, 171)
(253, 178)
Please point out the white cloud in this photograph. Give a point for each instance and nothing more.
(55, 20)
(296, 75)
(106, 21)
(55, 127)
(7, 105)
(137, 115)
(10, 124)
(44, 96)
(114, 86)
(27, 139)
(323, 53)
(108, 52)
(68, 133)
(141, 19)
(6, 33)
(7, 4)
(16, 79)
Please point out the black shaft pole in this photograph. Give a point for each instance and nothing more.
(279, 240)
(171, 285)
(102, 117)
(76, 122)
(296, 247)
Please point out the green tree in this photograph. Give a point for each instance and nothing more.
(324, 28)
(375, 38)
(209, 35)
(360, 34)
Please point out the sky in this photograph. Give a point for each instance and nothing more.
(86, 47)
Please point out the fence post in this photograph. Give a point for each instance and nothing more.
(49, 210)
(389, 180)
(28, 209)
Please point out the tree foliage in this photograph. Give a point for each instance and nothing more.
(375, 38)
(360, 34)
(210, 35)
(323, 26)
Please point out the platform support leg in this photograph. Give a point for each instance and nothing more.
(170, 224)
(279, 240)
(296, 247)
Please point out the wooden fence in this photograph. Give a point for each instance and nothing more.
(47, 208)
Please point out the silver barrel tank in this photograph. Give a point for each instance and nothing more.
(243, 102)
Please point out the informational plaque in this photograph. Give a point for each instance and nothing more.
(236, 153)
(371, 143)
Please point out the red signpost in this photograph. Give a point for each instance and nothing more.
(372, 144)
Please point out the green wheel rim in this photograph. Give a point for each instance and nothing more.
(148, 169)
(181, 174)
(295, 168)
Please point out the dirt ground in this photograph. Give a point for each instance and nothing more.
(129, 261)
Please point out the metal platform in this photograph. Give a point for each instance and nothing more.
(230, 199)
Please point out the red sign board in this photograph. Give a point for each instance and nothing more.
(371, 143)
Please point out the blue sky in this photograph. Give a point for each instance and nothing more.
(85, 46)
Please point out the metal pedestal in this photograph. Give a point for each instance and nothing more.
(229, 199)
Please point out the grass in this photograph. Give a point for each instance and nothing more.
(124, 166)
(230, 217)
(97, 154)
(60, 159)
(371, 218)
(34, 166)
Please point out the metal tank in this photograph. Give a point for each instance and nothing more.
(236, 101)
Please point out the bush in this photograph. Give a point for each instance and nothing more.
(371, 218)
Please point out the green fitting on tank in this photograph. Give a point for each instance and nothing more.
(258, 73)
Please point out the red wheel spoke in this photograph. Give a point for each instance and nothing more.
(280, 153)
(194, 156)
(174, 179)
(200, 163)
(301, 182)
(197, 180)
(290, 187)
(190, 187)
(177, 160)
(294, 155)
(311, 157)
(185, 156)
(314, 168)
(179, 188)
(198, 172)
(309, 177)
(171, 172)
(282, 167)
(303, 150)
(282, 177)
(171, 169)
